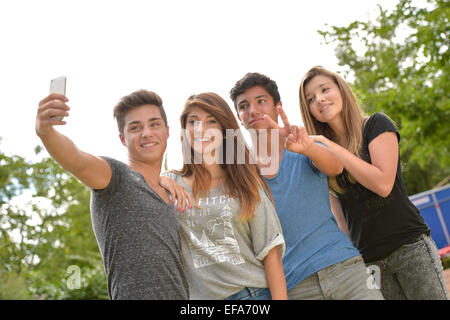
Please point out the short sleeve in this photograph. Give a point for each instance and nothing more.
(266, 229)
(116, 168)
(377, 124)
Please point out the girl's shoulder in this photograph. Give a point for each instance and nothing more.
(174, 175)
(379, 116)
(377, 124)
(379, 119)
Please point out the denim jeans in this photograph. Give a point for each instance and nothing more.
(346, 280)
(413, 272)
(251, 294)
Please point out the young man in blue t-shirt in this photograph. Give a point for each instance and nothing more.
(320, 261)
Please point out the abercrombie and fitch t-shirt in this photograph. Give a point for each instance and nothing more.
(138, 237)
(223, 255)
(377, 225)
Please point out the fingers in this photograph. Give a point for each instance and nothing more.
(181, 198)
(189, 198)
(283, 116)
(53, 107)
(274, 125)
(49, 116)
(301, 130)
(52, 114)
(292, 137)
(294, 132)
(302, 134)
(57, 121)
(53, 96)
(173, 194)
(290, 140)
(271, 123)
(323, 140)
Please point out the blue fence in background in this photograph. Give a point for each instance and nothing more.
(434, 205)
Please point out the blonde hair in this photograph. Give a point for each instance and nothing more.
(243, 181)
(352, 115)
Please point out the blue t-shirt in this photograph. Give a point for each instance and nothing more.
(313, 238)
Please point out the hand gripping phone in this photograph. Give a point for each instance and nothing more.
(58, 85)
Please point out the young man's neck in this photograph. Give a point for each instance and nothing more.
(150, 170)
(269, 146)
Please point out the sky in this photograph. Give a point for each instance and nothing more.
(108, 49)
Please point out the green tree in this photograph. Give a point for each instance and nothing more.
(39, 241)
(400, 64)
(13, 286)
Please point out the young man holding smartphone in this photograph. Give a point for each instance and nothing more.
(133, 220)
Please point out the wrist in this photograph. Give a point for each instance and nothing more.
(338, 149)
(43, 133)
(309, 150)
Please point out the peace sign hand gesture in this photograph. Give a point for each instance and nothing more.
(284, 131)
(298, 140)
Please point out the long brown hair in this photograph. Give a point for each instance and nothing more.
(243, 181)
(352, 115)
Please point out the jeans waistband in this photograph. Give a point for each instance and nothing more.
(247, 291)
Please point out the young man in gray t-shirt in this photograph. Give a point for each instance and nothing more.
(134, 223)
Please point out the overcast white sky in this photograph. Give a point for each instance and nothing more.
(108, 49)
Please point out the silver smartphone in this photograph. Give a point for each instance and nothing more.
(58, 85)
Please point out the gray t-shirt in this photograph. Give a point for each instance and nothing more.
(221, 254)
(138, 237)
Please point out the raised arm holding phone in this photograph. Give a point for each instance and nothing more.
(135, 224)
(92, 171)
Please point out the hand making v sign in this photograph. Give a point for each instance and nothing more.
(297, 139)
(284, 131)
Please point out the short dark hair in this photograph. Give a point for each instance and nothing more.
(251, 80)
(134, 100)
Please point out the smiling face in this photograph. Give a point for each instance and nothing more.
(252, 105)
(324, 99)
(204, 132)
(145, 134)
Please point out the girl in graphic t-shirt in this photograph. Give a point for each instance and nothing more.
(232, 241)
(369, 198)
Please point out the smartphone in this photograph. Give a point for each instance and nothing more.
(58, 85)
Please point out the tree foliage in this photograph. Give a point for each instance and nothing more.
(400, 64)
(42, 238)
